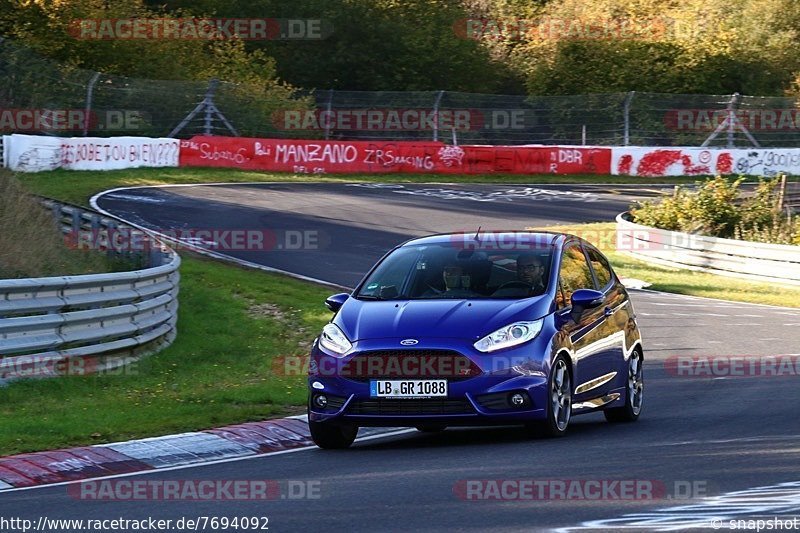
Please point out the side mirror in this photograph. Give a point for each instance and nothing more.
(586, 299)
(336, 301)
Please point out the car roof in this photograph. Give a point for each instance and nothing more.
(524, 237)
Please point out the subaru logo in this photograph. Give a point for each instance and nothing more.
(409, 342)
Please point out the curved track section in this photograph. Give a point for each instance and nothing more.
(711, 433)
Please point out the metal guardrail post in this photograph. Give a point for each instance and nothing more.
(154, 255)
(76, 220)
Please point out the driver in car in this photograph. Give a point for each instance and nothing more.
(530, 270)
(454, 278)
(456, 284)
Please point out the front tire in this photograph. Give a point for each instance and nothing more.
(633, 393)
(559, 405)
(332, 436)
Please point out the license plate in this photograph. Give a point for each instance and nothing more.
(408, 388)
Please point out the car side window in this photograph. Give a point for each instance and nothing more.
(561, 303)
(602, 270)
(574, 273)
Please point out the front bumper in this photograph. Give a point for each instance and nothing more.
(482, 398)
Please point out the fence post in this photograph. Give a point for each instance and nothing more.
(328, 109)
(89, 97)
(732, 118)
(626, 117)
(436, 116)
(212, 88)
(210, 109)
(730, 124)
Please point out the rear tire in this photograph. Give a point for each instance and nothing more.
(559, 404)
(332, 436)
(633, 393)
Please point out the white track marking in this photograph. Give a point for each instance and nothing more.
(713, 512)
(202, 464)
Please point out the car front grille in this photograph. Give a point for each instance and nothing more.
(410, 364)
(427, 406)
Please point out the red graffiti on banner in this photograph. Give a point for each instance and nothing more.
(322, 157)
(724, 163)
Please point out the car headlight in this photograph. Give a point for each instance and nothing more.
(333, 340)
(510, 335)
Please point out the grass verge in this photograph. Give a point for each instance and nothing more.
(32, 245)
(233, 323)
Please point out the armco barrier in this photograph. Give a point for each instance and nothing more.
(91, 323)
(322, 157)
(752, 260)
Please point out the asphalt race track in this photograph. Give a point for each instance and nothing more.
(356, 223)
(716, 434)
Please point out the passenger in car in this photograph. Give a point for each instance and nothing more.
(530, 270)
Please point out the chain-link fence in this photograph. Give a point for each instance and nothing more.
(116, 105)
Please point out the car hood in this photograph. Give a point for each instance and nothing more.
(466, 319)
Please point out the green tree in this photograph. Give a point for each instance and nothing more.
(379, 45)
(160, 79)
(691, 46)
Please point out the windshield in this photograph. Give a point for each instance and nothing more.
(446, 271)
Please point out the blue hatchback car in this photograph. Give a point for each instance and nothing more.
(477, 329)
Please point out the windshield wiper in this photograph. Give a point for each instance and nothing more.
(379, 298)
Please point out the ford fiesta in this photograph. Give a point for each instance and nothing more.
(477, 329)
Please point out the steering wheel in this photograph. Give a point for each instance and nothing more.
(515, 284)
